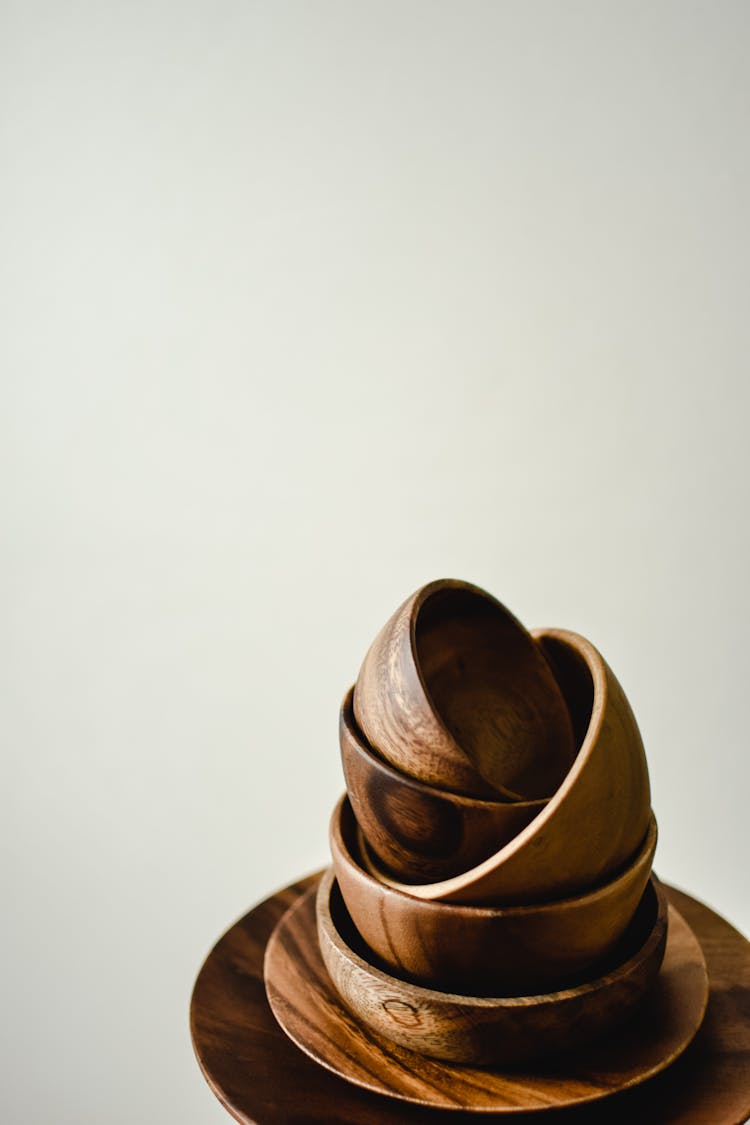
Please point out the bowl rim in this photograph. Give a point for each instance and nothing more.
(602, 890)
(425, 994)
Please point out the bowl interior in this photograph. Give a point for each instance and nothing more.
(464, 644)
(484, 677)
(574, 679)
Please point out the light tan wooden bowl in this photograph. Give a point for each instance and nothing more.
(487, 1030)
(418, 832)
(497, 949)
(455, 692)
(597, 819)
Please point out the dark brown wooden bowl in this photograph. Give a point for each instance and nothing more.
(495, 949)
(418, 832)
(490, 1030)
(598, 817)
(455, 692)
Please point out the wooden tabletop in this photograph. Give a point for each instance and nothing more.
(262, 1078)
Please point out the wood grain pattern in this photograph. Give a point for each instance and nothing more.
(598, 817)
(455, 692)
(261, 1078)
(311, 1013)
(479, 1030)
(418, 832)
(469, 948)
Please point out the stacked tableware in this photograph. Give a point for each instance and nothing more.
(491, 898)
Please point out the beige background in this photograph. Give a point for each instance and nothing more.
(304, 304)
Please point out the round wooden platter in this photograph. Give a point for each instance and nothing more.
(263, 1079)
(309, 1010)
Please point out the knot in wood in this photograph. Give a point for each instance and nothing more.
(401, 1012)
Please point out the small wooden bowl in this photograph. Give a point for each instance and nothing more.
(484, 1030)
(455, 692)
(596, 820)
(471, 948)
(419, 832)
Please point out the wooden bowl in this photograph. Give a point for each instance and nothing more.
(490, 1030)
(455, 692)
(416, 831)
(470, 948)
(596, 820)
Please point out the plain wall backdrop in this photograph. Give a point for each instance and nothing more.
(304, 304)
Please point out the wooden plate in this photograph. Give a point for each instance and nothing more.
(261, 1078)
(309, 1010)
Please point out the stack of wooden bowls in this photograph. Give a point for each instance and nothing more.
(491, 897)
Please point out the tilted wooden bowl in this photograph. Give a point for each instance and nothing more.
(484, 1030)
(455, 692)
(598, 817)
(495, 949)
(419, 832)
